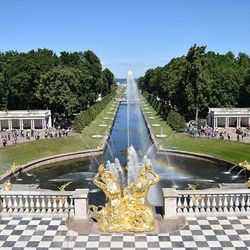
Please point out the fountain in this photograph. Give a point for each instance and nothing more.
(161, 135)
(245, 166)
(175, 171)
(97, 135)
(102, 125)
(155, 125)
(127, 210)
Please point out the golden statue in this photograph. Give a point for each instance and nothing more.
(128, 210)
(62, 188)
(7, 186)
(248, 183)
(139, 216)
(245, 165)
(13, 168)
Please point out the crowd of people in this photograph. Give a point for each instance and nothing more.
(239, 134)
(19, 136)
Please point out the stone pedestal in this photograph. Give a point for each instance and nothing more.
(80, 197)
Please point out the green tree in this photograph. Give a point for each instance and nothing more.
(194, 79)
(58, 90)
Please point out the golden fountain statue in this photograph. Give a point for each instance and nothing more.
(245, 165)
(7, 186)
(128, 210)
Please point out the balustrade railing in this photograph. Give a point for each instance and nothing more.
(43, 202)
(207, 202)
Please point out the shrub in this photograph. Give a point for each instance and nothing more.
(84, 118)
(176, 121)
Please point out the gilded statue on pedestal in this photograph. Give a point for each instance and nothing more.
(128, 210)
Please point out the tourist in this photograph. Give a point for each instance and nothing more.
(4, 142)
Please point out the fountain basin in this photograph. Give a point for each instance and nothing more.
(161, 136)
(97, 136)
(155, 125)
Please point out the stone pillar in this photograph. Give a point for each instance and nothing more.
(0, 125)
(215, 122)
(80, 197)
(170, 203)
(238, 122)
(226, 122)
(10, 124)
(21, 124)
(247, 124)
(43, 124)
(50, 122)
(32, 124)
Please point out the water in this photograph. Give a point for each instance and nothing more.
(118, 139)
(176, 171)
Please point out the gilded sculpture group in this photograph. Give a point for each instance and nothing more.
(128, 209)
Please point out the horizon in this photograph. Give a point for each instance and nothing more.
(127, 35)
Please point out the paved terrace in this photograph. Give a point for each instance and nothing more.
(52, 233)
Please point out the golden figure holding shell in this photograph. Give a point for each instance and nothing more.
(126, 210)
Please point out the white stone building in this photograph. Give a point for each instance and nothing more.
(229, 117)
(25, 119)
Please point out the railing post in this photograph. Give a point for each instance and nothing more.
(170, 203)
(80, 197)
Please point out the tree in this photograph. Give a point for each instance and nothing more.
(58, 90)
(195, 82)
(107, 81)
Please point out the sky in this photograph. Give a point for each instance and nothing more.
(128, 34)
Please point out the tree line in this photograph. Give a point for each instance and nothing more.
(192, 83)
(84, 118)
(40, 79)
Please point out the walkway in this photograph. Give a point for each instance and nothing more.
(51, 233)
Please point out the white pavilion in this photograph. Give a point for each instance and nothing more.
(229, 117)
(25, 119)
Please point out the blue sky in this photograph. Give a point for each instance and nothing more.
(127, 34)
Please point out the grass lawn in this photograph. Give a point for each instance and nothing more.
(232, 151)
(26, 152)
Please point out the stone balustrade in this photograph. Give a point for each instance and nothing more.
(206, 202)
(212, 202)
(67, 203)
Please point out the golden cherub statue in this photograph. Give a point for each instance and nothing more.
(109, 217)
(245, 164)
(128, 210)
(138, 214)
(7, 185)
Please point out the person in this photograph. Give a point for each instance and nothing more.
(238, 137)
(138, 213)
(110, 216)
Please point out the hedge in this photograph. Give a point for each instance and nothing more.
(84, 118)
(176, 121)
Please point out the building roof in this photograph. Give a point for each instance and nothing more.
(229, 111)
(17, 114)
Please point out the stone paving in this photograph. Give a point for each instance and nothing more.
(44, 233)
